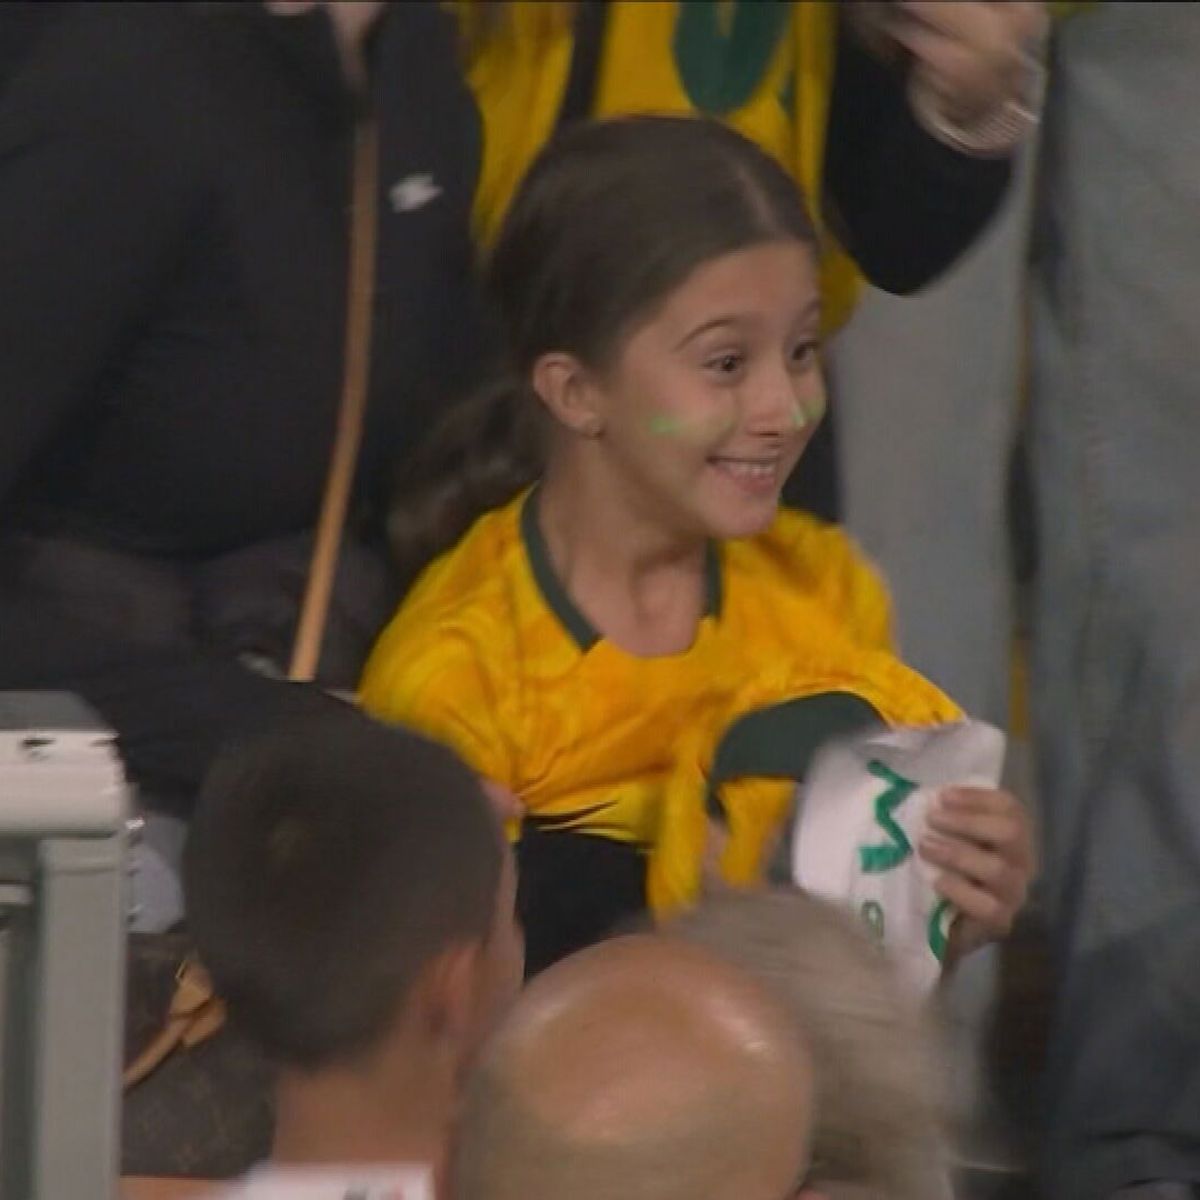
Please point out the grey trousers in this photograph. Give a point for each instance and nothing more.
(927, 395)
(1116, 681)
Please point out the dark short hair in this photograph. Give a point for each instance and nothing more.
(328, 862)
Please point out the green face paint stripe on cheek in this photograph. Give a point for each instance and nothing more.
(698, 428)
(805, 415)
(664, 425)
(809, 411)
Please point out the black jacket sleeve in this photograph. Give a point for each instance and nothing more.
(93, 204)
(904, 205)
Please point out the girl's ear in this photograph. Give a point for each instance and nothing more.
(565, 387)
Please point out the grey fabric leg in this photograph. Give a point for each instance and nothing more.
(926, 389)
(1116, 686)
(155, 882)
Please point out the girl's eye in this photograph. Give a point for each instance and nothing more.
(804, 354)
(725, 364)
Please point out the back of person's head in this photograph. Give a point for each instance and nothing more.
(331, 865)
(640, 1068)
(878, 1111)
(612, 217)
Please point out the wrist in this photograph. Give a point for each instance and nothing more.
(997, 131)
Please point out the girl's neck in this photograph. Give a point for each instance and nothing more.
(639, 586)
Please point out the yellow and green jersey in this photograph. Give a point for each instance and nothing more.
(490, 655)
(765, 68)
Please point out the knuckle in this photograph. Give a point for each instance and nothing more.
(992, 869)
(997, 915)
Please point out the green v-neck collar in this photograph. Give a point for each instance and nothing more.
(582, 632)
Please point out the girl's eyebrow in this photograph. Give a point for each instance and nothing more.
(812, 314)
(811, 317)
(715, 323)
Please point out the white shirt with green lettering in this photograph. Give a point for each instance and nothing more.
(861, 817)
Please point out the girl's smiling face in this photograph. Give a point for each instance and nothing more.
(712, 399)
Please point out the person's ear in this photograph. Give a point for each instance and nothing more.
(565, 387)
(446, 993)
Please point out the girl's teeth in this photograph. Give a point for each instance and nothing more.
(749, 470)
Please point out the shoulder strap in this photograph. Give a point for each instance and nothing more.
(194, 1015)
(580, 92)
(314, 610)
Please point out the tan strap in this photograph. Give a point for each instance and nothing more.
(153, 1056)
(195, 1014)
(314, 611)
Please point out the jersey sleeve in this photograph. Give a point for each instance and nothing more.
(437, 683)
(517, 70)
(694, 849)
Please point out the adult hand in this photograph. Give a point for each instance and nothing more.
(970, 54)
(982, 841)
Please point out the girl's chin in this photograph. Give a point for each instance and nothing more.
(745, 520)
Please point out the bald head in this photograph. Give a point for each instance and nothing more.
(643, 1068)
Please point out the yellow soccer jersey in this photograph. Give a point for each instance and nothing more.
(765, 68)
(489, 655)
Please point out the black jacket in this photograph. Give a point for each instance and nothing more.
(173, 243)
(174, 182)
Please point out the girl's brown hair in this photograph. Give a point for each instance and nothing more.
(612, 217)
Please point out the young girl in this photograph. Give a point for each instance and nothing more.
(608, 576)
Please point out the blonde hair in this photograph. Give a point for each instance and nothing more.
(879, 1112)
